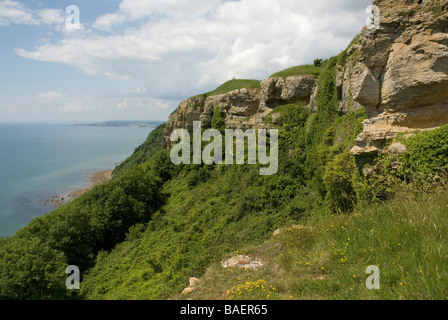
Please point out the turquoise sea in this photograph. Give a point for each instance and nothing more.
(38, 161)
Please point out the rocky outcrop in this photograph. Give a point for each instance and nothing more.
(243, 108)
(400, 74)
(243, 261)
(193, 285)
(279, 91)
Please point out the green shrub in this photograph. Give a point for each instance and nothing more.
(218, 119)
(143, 152)
(338, 183)
(427, 151)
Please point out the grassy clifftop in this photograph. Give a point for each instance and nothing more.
(232, 85)
(298, 71)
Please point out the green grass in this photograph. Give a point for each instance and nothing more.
(436, 9)
(327, 258)
(234, 85)
(298, 70)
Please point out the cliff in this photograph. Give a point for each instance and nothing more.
(400, 75)
(397, 72)
(242, 108)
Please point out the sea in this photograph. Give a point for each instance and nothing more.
(41, 160)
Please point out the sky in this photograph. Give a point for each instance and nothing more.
(138, 59)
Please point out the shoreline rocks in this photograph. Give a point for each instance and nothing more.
(95, 179)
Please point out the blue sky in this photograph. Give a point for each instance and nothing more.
(137, 59)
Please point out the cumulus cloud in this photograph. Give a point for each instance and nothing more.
(88, 106)
(178, 48)
(50, 16)
(134, 10)
(14, 12)
(49, 96)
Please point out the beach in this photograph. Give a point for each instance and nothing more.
(95, 179)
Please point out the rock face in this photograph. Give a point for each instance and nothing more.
(243, 108)
(400, 75)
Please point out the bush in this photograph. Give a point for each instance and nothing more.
(338, 182)
(318, 62)
(31, 270)
(427, 151)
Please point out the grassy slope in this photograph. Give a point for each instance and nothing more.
(328, 257)
(298, 70)
(210, 210)
(232, 85)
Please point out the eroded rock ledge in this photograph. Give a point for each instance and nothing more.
(243, 108)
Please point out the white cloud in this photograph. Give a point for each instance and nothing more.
(178, 48)
(134, 10)
(49, 96)
(140, 90)
(51, 16)
(70, 107)
(14, 12)
(123, 104)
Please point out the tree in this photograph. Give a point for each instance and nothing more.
(318, 62)
(30, 269)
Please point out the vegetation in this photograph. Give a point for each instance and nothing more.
(436, 9)
(299, 70)
(327, 256)
(234, 84)
(143, 152)
(318, 62)
(218, 119)
(155, 225)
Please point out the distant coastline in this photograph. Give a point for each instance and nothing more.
(135, 124)
(96, 178)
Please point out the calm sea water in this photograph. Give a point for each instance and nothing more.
(38, 161)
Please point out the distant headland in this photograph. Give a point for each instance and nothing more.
(139, 124)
